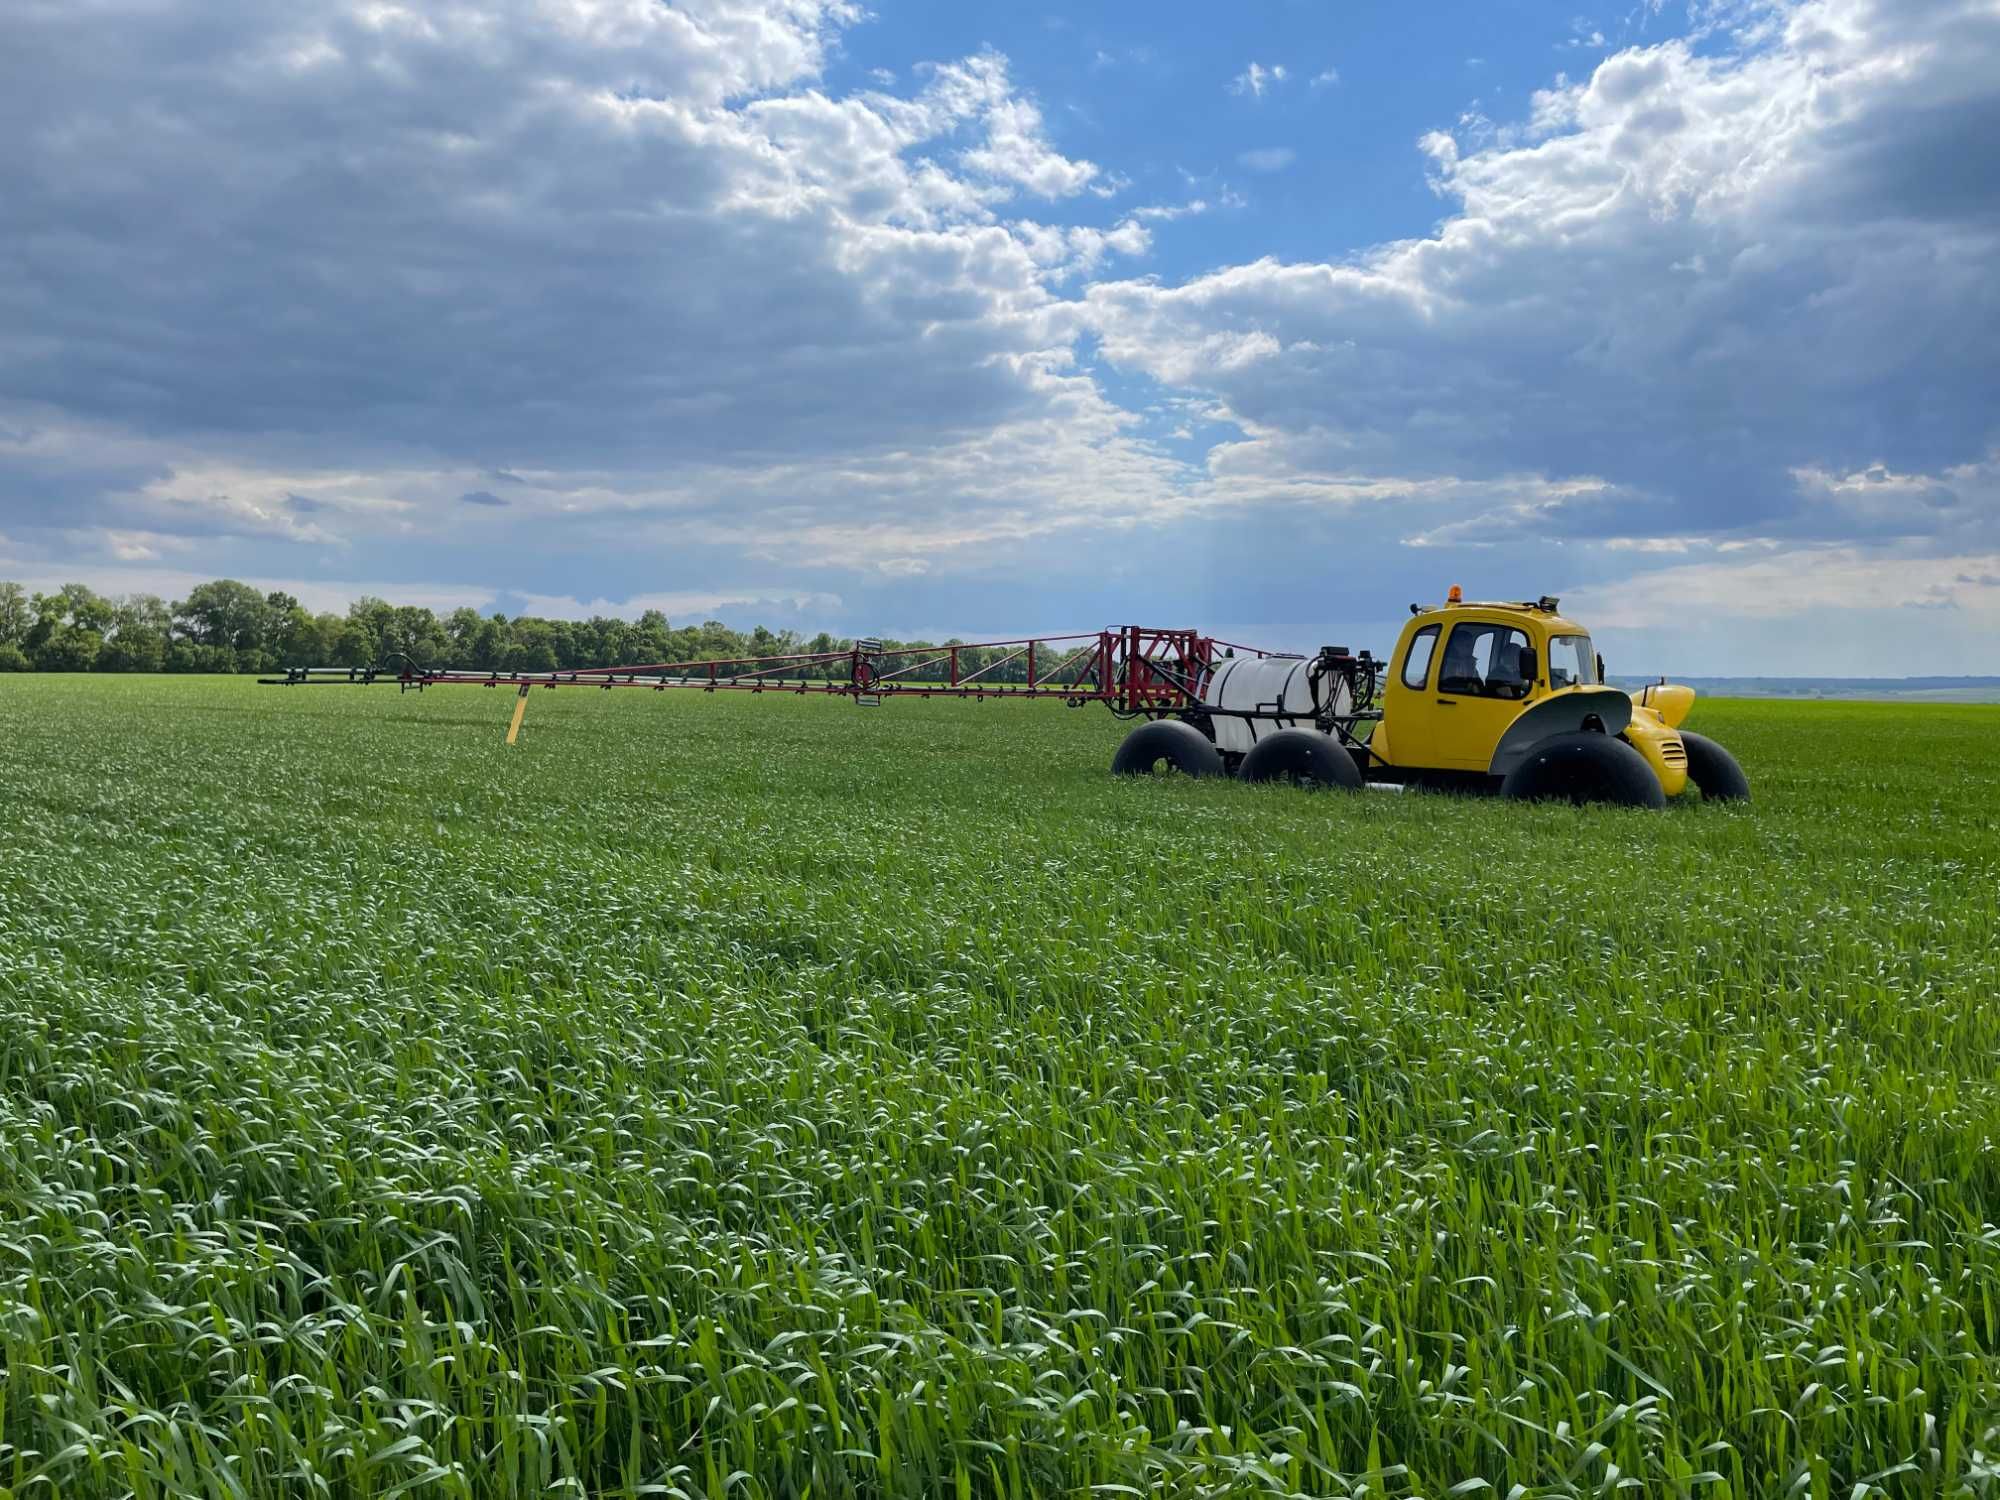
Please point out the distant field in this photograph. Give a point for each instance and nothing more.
(757, 1097)
(1879, 689)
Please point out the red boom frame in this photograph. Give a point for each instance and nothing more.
(1135, 669)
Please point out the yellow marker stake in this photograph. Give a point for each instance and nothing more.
(520, 707)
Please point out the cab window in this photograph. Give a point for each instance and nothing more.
(1417, 663)
(1571, 661)
(1484, 661)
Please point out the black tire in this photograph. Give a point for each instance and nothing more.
(1714, 770)
(1303, 757)
(1181, 747)
(1585, 767)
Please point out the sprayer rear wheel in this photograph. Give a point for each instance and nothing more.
(1304, 757)
(1714, 770)
(1169, 743)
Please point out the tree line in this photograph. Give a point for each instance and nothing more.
(227, 626)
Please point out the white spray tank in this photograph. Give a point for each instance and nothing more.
(1271, 684)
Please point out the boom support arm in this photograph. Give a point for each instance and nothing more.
(1136, 671)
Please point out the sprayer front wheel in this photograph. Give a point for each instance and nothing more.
(1584, 767)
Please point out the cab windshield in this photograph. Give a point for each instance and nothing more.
(1571, 661)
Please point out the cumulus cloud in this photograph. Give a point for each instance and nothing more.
(330, 274)
(761, 602)
(872, 513)
(1065, 252)
(1773, 587)
(508, 233)
(1016, 151)
(135, 546)
(625, 286)
(1697, 282)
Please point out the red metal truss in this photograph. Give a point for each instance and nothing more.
(1135, 669)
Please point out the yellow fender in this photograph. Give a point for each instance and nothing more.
(1559, 713)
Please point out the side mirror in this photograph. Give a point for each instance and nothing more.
(1600, 666)
(1530, 667)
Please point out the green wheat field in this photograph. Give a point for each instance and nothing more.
(756, 1096)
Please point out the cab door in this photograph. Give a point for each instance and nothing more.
(1451, 709)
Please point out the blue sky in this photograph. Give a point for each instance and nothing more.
(965, 319)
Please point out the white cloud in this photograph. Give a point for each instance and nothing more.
(751, 602)
(1685, 277)
(316, 594)
(514, 183)
(1017, 151)
(872, 511)
(136, 546)
(614, 240)
(1079, 249)
(637, 272)
(1326, 78)
(1816, 578)
(1256, 79)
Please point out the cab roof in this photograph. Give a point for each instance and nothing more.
(1544, 610)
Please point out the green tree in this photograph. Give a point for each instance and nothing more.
(139, 637)
(604, 641)
(819, 645)
(289, 637)
(533, 647)
(68, 648)
(414, 631)
(47, 620)
(226, 626)
(318, 646)
(369, 620)
(86, 610)
(144, 612)
(650, 638)
(292, 636)
(563, 637)
(68, 629)
(226, 614)
(17, 614)
(133, 651)
(461, 633)
(354, 644)
(713, 639)
(489, 644)
(141, 626)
